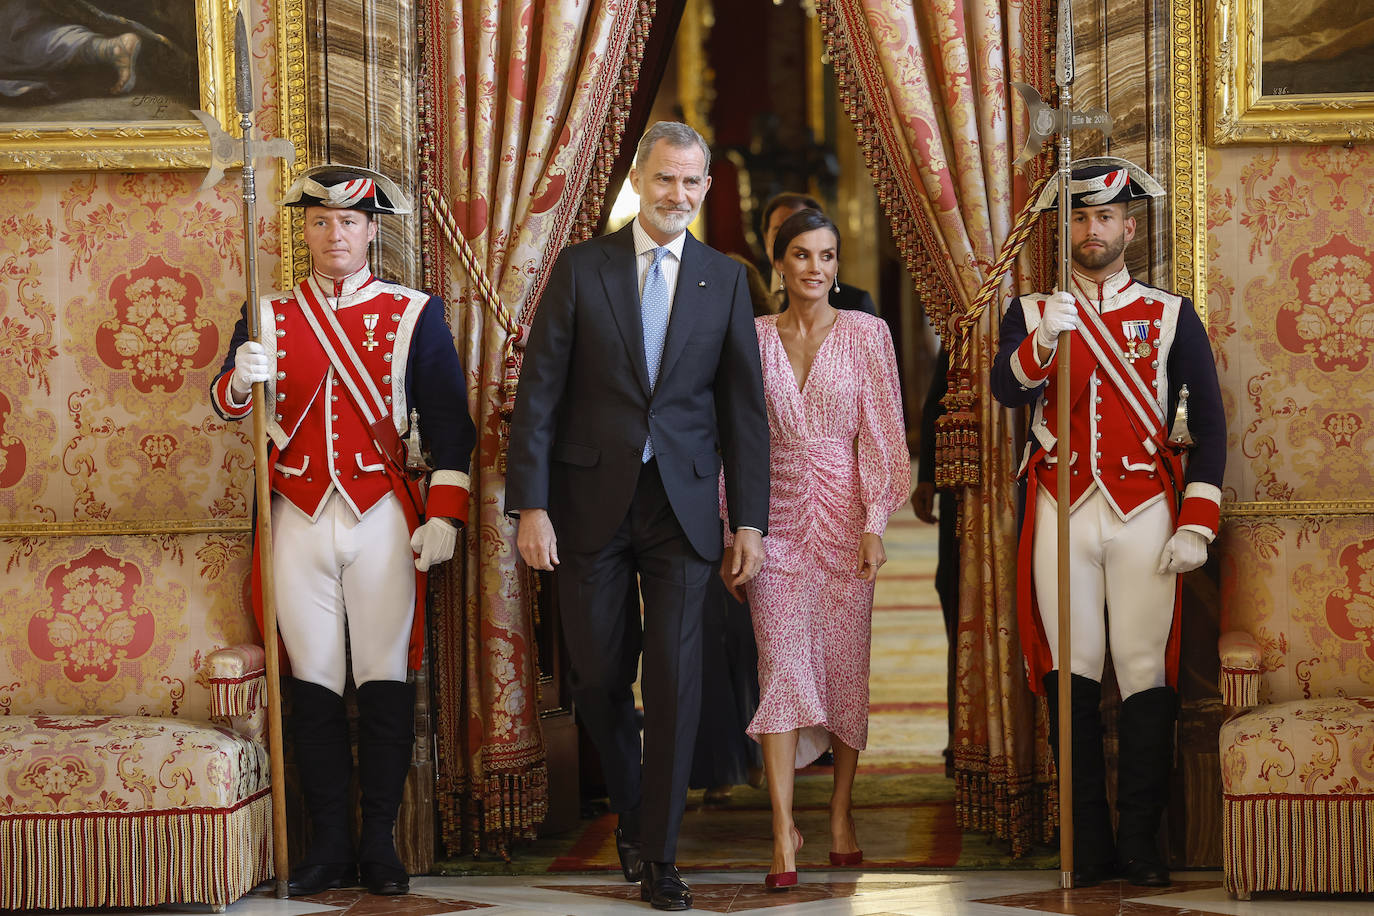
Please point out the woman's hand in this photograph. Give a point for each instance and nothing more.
(871, 556)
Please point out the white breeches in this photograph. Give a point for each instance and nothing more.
(341, 578)
(1111, 573)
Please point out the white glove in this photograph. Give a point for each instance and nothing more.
(433, 541)
(1184, 551)
(250, 365)
(1060, 315)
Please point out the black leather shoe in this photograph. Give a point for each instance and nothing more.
(628, 850)
(1094, 874)
(663, 888)
(384, 880)
(1144, 873)
(312, 879)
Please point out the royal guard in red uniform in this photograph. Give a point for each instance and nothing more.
(1147, 451)
(363, 379)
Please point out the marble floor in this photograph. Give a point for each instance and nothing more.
(849, 893)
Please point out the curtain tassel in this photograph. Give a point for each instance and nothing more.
(957, 436)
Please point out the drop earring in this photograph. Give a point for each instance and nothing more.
(837, 283)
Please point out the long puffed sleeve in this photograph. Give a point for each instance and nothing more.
(884, 463)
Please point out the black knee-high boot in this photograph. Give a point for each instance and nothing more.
(324, 765)
(1147, 753)
(1094, 855)
(386, 738)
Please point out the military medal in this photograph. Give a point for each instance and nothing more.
(1137, 334)
(370, 324)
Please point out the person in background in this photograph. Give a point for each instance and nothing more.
(347, 519)
(725, 756)
(839, 468)
(775, 213)
(924, 500)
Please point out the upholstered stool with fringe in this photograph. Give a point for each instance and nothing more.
(1297, 784)
(137, 810)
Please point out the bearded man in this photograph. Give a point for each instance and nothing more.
(641, 377)
(1147, 451)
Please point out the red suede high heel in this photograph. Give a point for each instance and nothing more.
(781, 881)
(847, 859)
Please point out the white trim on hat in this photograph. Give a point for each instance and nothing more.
(1124, 171)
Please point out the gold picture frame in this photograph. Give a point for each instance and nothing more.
(1263, 92)
(1188, 167)
(86, 119)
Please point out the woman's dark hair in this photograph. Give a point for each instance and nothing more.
(796, 224)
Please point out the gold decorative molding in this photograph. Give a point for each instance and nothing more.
(10, 530)
(1298, 508)
(154, 144)
(1189, 193)
(1241, 113)
(696, 78)
(816, 79)
(294, 126)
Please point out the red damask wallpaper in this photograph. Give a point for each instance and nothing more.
(117, 295)
(1291, 313)
(123, 499)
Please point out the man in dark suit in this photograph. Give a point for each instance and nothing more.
(641, 376)
(775, 213)
(924, 501)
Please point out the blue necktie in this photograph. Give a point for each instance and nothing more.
(653, 310)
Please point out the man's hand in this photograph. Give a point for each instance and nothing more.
(250, 365)
(923, 501)
(535, 538)
(434, 542)
(1060, 315)
(871, 556)
(742, 562)
(1184, 551)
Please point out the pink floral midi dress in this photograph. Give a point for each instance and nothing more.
(839, 468)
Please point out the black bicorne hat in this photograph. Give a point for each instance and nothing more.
(346, 187)
(1099, 180)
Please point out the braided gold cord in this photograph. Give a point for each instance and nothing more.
(958, 448)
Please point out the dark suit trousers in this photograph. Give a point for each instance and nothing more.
(603, 635)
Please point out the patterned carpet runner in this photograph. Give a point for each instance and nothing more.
(904, 804)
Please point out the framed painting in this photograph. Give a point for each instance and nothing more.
(110, 84)
(1291, 71)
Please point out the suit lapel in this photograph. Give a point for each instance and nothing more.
(688, 301)
(619, 276)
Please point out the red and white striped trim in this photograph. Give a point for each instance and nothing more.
(344, 359)
(1122, 374)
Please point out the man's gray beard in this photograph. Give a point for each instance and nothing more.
(680, 221)
(1109, 253)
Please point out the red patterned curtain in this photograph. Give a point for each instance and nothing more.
(525, 102)
(928, 88)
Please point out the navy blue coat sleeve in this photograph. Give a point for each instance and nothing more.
(437, 388)
(1191, 363)
(1006, 387)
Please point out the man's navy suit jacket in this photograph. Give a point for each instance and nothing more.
(584, 405)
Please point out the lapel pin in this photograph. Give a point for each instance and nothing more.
(701, 283)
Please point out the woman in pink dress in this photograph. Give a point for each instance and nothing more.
(839, 468)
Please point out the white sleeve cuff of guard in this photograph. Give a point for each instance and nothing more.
(1027, 380)
(1199, 490)
(450, 479)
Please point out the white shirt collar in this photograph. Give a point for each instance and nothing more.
(645, 244)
